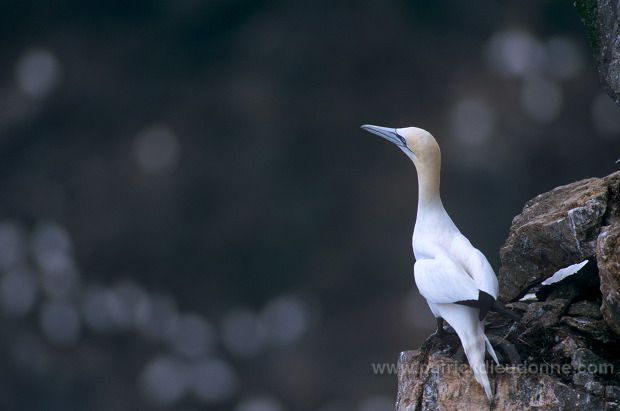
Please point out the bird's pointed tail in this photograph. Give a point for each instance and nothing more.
(470, 330)
(488, 344)
(474, 351)
(474, 346)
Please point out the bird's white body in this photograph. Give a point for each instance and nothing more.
(448, 269)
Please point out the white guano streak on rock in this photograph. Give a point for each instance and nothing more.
(564, 272)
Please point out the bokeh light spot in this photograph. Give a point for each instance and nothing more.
(243, 333)
(473, 121)
(158, 319)
(157, 149)
(60, 322)
(60, 279)
(259, 404)
(514, 53)
(164, 380)
(18, 293)
(50, 238)
(125, 301)
(376, 403)
(286, 319)
(37, 72)
(541, 99)
(12, 245)
(194, 336)
(95, 309)
(565, 58)
(213, 380)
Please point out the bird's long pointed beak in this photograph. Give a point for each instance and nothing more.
(390, 134)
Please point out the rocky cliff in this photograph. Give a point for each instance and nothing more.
(564, 353)
(602, 22)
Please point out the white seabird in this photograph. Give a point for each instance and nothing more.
(455, 278)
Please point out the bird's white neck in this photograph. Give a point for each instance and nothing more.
(428, 186)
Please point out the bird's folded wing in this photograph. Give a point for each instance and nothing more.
(442, 280)
(478, 267)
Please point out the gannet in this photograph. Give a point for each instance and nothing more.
(455, 278)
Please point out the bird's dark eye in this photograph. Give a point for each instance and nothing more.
(402, 139)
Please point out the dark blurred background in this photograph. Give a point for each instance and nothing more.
(191, 218)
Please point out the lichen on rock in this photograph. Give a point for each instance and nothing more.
(602, 22)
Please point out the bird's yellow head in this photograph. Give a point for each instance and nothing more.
(417, 143)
